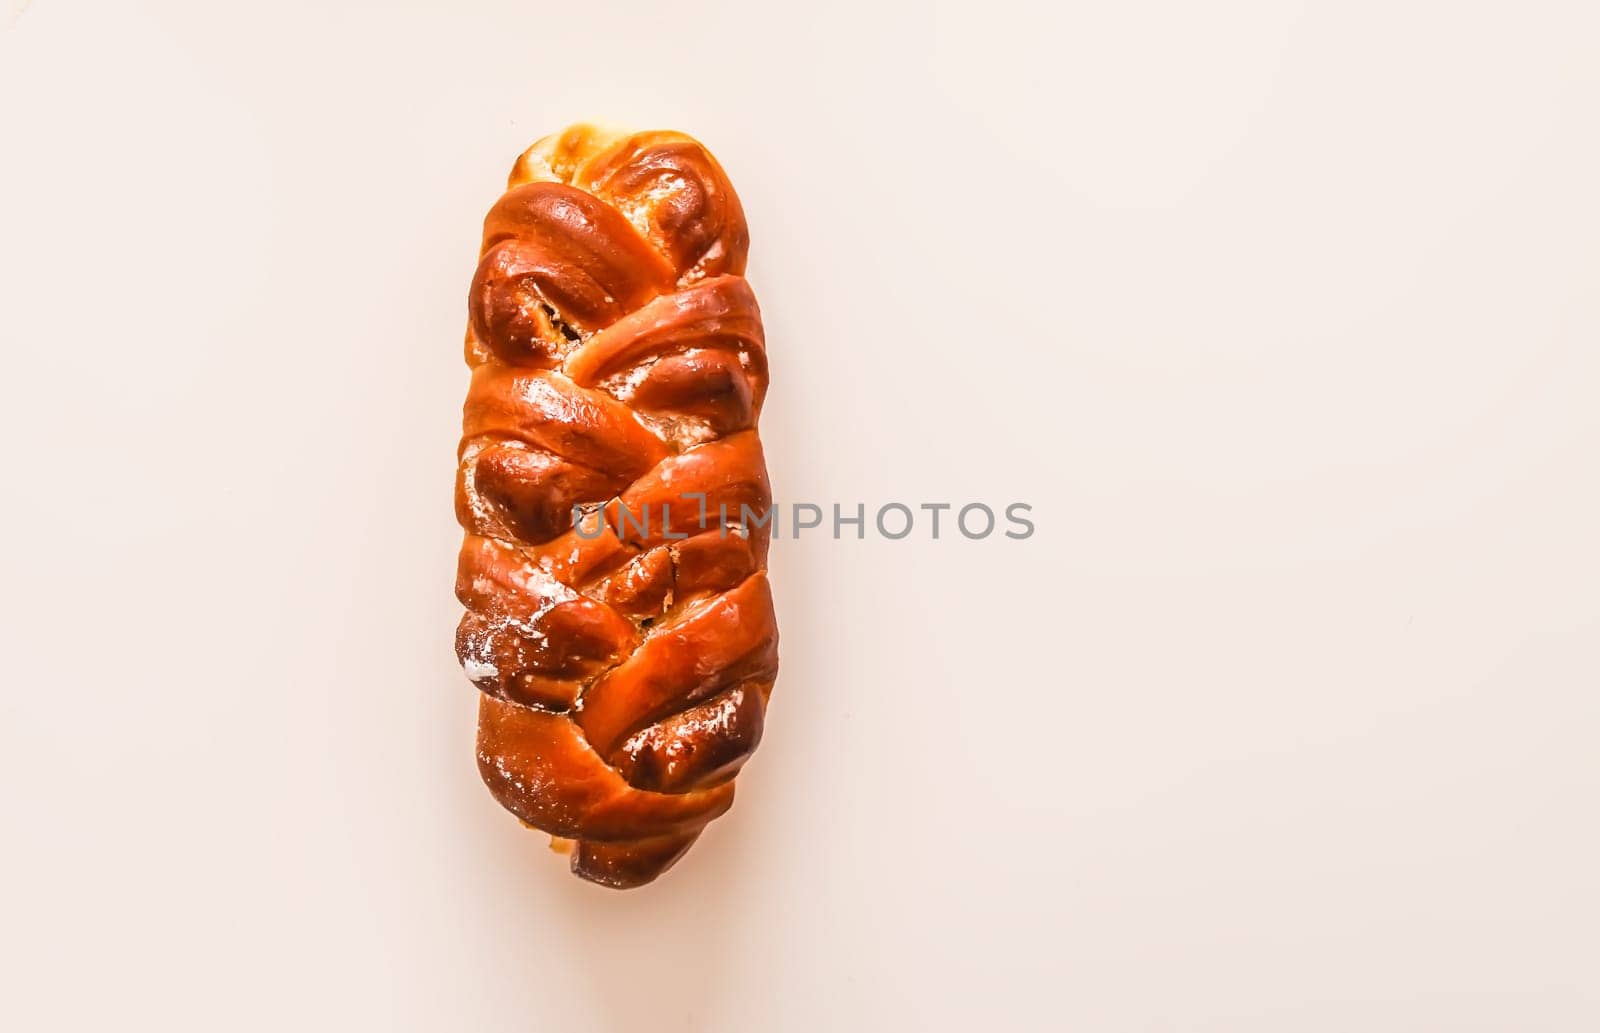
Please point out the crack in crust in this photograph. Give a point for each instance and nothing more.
(618, 369)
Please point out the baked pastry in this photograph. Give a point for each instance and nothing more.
(614, 495)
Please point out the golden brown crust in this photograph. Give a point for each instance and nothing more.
(619, 368)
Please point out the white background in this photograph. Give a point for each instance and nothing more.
(1283, 316)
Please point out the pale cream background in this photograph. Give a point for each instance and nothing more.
(1282, 315)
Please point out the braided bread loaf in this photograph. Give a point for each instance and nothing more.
(619, 623)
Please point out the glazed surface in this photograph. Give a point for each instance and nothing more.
(618, 364)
